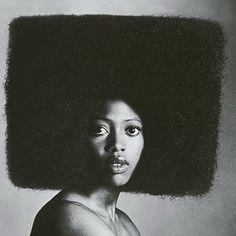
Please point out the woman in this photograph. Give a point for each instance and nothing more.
(78, 101)
(116, 143)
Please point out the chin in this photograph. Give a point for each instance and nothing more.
(118, 180)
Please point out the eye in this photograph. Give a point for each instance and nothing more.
(132, 130)
(99, 130)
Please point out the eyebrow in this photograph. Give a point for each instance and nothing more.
(127, 120)
(136, 119)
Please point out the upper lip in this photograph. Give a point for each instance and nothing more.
(118, 160)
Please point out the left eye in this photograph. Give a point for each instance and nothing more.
(99, 130)
(132, 130)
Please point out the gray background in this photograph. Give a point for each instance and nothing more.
(212, 215)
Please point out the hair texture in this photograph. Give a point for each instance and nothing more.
(59, 69)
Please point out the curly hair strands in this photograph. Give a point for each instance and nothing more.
(168, 68)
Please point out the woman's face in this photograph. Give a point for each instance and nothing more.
(116, 141)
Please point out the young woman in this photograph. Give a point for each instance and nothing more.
(83, 95)
(116, 142)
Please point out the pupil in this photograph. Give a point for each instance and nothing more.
(96, 129)
(132, 130)
(99, 130)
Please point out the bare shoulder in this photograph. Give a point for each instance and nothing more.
(67, 218)
(128, 223)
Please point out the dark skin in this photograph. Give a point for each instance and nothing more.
(66, 215)
(117, 137)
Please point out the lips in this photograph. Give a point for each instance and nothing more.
(118, 165)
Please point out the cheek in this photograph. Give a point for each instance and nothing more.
(136, 148)
(96, 146)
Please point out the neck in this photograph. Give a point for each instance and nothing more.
(105, 198)
(101, 200)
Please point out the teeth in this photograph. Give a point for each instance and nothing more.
(117, 165)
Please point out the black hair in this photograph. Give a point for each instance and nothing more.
(168, 68)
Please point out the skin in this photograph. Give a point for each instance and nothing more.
(116, 134)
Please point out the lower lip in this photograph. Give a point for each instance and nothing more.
(118, 169)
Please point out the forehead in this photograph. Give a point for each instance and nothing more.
(116, 110)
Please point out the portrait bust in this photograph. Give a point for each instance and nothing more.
(66, 71)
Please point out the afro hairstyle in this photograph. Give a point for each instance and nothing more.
(61, 67)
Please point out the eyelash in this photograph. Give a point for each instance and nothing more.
(133, 127)
(98, 127)
(127, 130)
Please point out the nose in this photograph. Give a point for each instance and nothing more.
(116, 142)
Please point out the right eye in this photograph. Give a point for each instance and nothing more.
(99, 130)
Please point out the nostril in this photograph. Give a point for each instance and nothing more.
(112, 149)
(115, 148)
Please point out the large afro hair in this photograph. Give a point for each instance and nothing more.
(59, 69)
